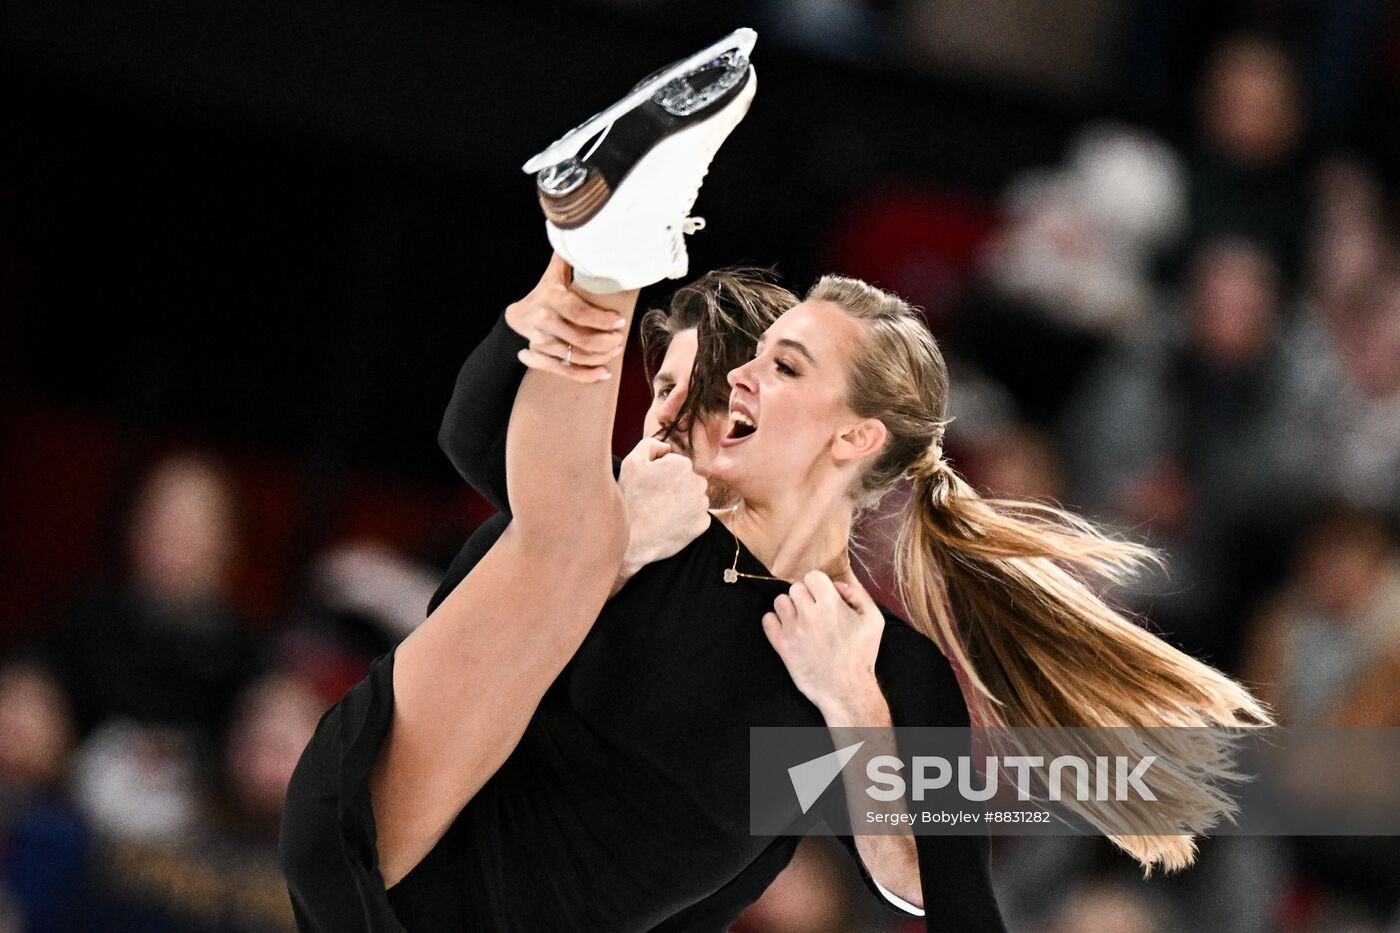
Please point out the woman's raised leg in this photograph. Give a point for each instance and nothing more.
(468, 680)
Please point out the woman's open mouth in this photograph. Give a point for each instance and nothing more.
(741, 428)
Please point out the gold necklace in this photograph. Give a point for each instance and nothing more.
(732, 573)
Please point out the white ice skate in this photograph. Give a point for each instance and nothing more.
(618, 210)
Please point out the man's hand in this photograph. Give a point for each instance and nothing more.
(561, 325)
(667, 505)
(828, 635)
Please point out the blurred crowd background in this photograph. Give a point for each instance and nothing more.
(245, 247)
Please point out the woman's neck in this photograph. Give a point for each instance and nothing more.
(793, 538)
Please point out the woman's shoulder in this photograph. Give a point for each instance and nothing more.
(899, 629)
(902, 638)
(918, 680)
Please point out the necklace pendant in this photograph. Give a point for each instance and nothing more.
(731, 575)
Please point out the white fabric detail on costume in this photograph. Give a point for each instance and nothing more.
(898, 901)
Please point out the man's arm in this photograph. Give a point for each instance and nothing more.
(474, 428)
(473, 432)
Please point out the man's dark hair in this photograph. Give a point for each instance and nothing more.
(729, 310)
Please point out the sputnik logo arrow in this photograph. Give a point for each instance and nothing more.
(811, 778)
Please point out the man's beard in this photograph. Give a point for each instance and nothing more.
(721, 496)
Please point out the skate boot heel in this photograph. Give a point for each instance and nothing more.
(571, 193)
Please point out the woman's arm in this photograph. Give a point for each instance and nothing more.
(829, 639)
(890, 859)
(861, 672)
(955, 873)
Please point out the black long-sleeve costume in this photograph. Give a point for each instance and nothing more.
(625, 806)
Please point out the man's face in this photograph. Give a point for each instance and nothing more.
(668, 392)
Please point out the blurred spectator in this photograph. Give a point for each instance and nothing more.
(1005, 40)
(164, 645)
(44, 843)
(1071, 269)
(1251, 111)
(1338, 46)
(357, 601)
(1079, 241)
(1070, 882)
(1021, 464)
(276, 716)
(1343, 394)
(1326, 652)
(37, 733)
(1178, 431)
(1326, 649)
(373, 581)
(138, 781)
(220, 873)
(1347, 237)
(1246, 178)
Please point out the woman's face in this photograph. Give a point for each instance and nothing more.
(668, 393)
(788, 416)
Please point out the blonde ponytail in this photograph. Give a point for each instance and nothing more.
(1003, 587)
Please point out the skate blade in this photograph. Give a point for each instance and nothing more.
(740, 42)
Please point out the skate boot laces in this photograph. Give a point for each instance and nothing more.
(688, 226)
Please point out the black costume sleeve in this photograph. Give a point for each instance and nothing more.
(955, 871)
(473, 432)
(327, 848)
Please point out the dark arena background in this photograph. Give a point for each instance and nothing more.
(245, 247)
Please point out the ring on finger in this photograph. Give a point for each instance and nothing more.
(569, 354)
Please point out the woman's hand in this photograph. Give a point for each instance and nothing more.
(829, 638)
(561, 325)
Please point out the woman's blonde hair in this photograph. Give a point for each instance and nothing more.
(997, 585)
